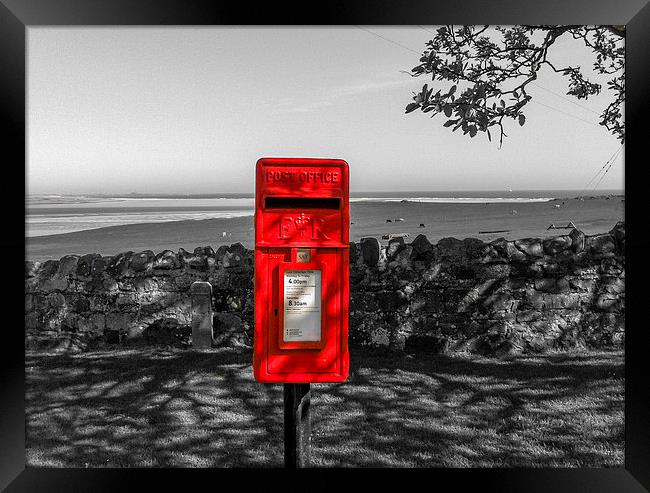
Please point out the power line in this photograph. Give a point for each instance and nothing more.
(566, 99)
(390, 40)
(565, 113)
(425, 29)
(609, 162)
(608, 168)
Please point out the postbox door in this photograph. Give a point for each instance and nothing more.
(306, 338)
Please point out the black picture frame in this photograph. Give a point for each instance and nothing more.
(18, 15)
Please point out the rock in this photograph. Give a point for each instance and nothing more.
(48, 269)
(221, 251)
(56, 300)
(29, 302)
(370, 251)
(206, 251)
(508, 348)
(552, 285)
(232, 260)
(422, 249)
(31, 268)
(618, 232)
(554, 269)
(402, 259)
(379, 336)
(381, 263)
(184, 281)
(577, 240)
(229, 330)
(68, 265)
(523, 316)
(488, 271)
(499, 302)
(198, 262)
(391, 300)
(530, 246)
(601, 245)
(238, 249)
(117, 321)
(475, 248)
(583, 285)
(119, 264)
(99, 265)
(135, 333)
(553, 246)
(98, 321)
(142, 261)
(508, 250)
(394, 246)
(166, 260)
(81, 304)
(55, 284)
(85, 264)
(606, 302)
(451, 248)
(562, 301)
(614, 286)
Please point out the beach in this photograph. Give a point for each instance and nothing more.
(487, 221)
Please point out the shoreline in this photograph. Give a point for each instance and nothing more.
(439, 219)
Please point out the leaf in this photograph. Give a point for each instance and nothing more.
(522, 119)
(472, 131)
(503, 103)
(489, 135)
(412, 107)
(452, 90)
(447, 110)
(449, 123)
(429, 108)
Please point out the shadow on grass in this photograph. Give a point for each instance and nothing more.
(155, 407)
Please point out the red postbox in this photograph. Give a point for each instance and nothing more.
(302, 219)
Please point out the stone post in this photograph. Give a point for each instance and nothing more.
(201, 293)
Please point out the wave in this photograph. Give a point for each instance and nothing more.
(52, 224)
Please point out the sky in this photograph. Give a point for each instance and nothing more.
(190, 110)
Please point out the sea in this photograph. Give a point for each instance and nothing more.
(52, 214)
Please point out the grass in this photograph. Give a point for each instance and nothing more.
(182, 408)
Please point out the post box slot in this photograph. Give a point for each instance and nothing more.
(302, 203)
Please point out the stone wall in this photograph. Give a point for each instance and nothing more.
(137, 297)
(493, 298)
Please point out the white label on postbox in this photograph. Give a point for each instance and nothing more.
(302, 305)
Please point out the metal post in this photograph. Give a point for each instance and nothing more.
(297, 425)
